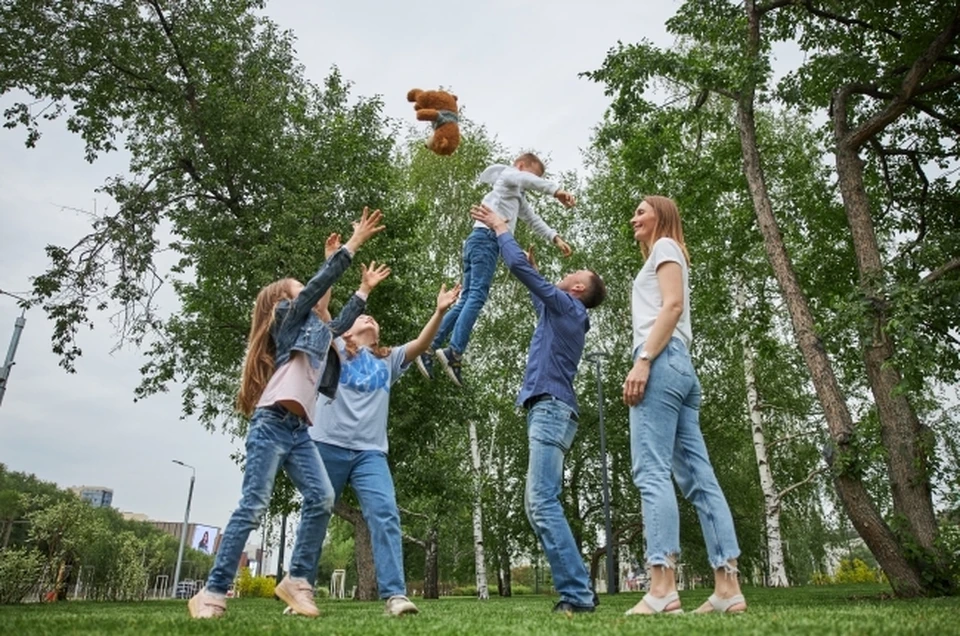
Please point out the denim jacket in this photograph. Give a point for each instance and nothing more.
(297, 328)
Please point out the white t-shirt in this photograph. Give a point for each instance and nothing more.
(357, 417)
(646, 300)
(295, 380)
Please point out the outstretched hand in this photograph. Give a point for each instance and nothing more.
(365, 228)
(487, 216)
(331, 245)
(531, 258)
(562, 245)
(447, 297)
(372, 275)
(566, 198)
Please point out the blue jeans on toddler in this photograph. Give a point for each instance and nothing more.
(551, 427)
(368, 474)
(277, 438)
(665, 439)
(480, 254)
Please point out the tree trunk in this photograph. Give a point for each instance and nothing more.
(904, 438)
(431, 566)
(282, 546)
(856, 500)
(363, 551)
(479, 559)
(776, 570)
(504, 581)
(7, 530)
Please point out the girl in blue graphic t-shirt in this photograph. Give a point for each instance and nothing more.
(351, 435)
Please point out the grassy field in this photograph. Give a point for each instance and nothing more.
(812, 610)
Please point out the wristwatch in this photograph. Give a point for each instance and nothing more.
(644, 355)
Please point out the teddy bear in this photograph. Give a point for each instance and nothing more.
(440, 108)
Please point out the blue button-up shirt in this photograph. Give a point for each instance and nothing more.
(562, 325)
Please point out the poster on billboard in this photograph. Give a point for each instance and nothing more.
(204, 538)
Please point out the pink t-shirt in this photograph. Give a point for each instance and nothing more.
(294, 381)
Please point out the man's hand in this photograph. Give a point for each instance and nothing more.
(562, 245)
(564, 197)
(372, 275)
(331, 245)
(489, 218)
(365, 228)
(447, 297)
(530, 257)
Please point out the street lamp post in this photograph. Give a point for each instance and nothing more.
(596, 357)
(186, 522)
(14, 342)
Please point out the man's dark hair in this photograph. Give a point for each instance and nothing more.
(596, 293)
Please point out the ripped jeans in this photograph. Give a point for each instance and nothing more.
(665, 442)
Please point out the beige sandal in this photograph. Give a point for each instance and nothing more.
(724, 605)
(658, 604)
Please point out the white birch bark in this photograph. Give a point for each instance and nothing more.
(777, 573)
(480, 561)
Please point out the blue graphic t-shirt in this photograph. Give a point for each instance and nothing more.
(357, 417)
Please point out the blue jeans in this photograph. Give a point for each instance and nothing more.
(368, 474)
(480, 254)
(665, 438)
(551, 429)
(277, 438)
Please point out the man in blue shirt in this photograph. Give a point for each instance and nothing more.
(547, 394)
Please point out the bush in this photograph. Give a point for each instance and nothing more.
(255, 586)
(465, 590)
(517, 590)
(322, 592)
(850, 571)
(19, 572)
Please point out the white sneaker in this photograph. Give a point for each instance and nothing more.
(399, 605)
(206, 605)
(298, 594)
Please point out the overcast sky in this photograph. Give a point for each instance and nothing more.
(514, 66)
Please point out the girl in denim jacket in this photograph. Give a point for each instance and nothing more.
(289, 360)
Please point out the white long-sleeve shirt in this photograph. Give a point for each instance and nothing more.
(507, 197)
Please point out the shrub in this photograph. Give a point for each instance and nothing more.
(255, 586)
(19, 572)
(464, 590)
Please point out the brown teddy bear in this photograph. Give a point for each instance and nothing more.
(439, 107)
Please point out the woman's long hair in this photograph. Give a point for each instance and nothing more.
(668, 224)
(259, 363)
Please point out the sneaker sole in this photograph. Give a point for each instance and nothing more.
(446, 367)
(423, 369)
(297, 608)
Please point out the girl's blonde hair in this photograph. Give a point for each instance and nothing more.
(668, 224)
(260, 360)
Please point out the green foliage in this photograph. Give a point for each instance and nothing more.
(19, 570)
(850, 571)
(249, 586)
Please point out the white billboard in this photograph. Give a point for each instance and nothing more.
(204, 538)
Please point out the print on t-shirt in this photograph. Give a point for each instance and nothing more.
(365, 373)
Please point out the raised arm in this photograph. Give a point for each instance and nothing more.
(333, 268)
(330, 246)
(517, 262)
(370, 277)
(445, 300)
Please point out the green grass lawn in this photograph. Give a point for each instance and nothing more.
(852, 609)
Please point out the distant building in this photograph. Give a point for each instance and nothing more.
(96, 496)
(134, 516)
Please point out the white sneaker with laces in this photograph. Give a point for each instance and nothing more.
(399, 605)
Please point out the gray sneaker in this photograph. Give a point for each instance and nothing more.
(399, 605)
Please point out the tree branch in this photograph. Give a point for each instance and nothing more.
(899, 104)
(774, 5)
(941, 271)
(849, 21)
(813, 473)
(786, 438)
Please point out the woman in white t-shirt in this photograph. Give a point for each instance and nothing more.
(663, 393)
